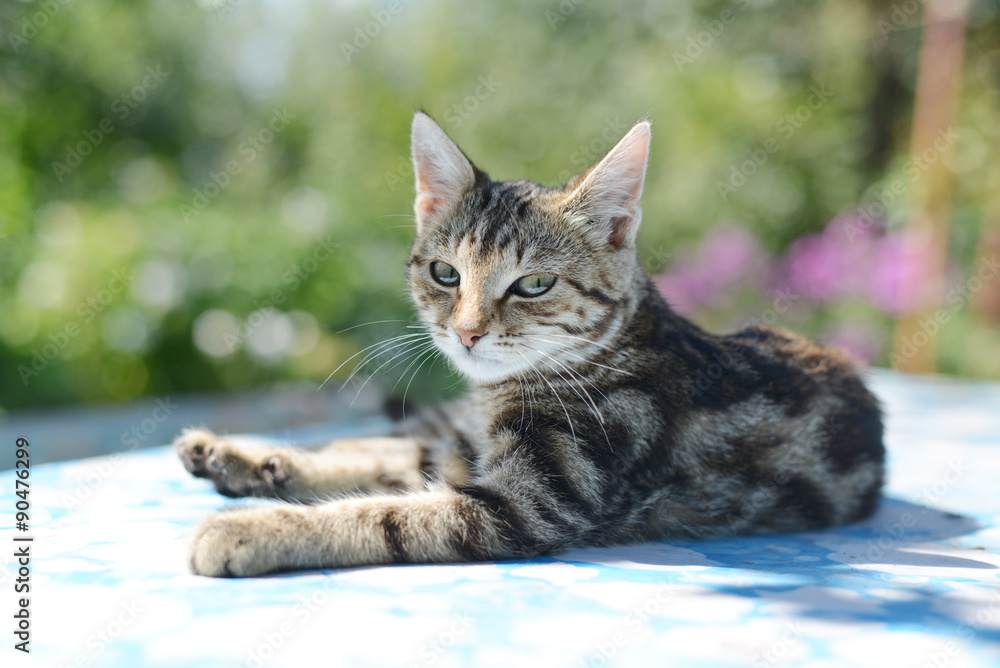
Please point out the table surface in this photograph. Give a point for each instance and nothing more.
(916, 585)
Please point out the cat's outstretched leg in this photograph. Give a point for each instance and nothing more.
(435, 525)
(369, 464)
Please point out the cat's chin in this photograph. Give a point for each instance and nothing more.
(484, 371)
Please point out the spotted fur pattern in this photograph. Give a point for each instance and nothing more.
(596, 415)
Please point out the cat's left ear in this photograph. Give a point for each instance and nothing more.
(608, 195)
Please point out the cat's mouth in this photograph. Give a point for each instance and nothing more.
(481, 363)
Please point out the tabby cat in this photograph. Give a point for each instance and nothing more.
(596, 415)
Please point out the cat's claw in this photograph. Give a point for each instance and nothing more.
(277, 469)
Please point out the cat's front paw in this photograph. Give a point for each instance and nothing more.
(238, 543)
(196, 449)
(235, 471)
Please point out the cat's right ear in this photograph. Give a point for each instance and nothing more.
(442, 171)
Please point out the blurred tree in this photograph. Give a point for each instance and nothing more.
(206, 195)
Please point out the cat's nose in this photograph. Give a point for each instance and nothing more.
(469, 336)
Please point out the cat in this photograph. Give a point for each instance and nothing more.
(584, 424)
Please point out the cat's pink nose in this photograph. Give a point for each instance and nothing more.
(469, 336)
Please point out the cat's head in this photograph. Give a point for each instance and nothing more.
(511, 276)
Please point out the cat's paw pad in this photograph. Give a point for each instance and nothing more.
(236, 544)
(197, 450)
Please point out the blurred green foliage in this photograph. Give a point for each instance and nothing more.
(204, 196)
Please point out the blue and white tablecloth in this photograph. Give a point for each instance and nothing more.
(918, 585)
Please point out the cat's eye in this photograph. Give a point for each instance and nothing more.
(533, 285)
(444, 274)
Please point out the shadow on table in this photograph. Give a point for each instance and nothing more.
(894, 568)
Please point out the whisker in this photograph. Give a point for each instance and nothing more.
(407, 347)
(375, 322)
(360, 364)
(520, 386)
(588, 398)
(585, 340)
(374, 373)
(555, 393)
(592, 406)
(531, 399)
(565, 351)
(428, 355)
(458, 382)
(384, 347)
(421, 350)
(584, 379)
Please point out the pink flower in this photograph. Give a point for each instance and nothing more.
(729, 257)
(860, 339)
(832, 265)
(899, 264)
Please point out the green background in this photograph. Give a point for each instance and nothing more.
(169, 168)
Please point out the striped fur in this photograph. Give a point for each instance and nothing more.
(596, 415)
